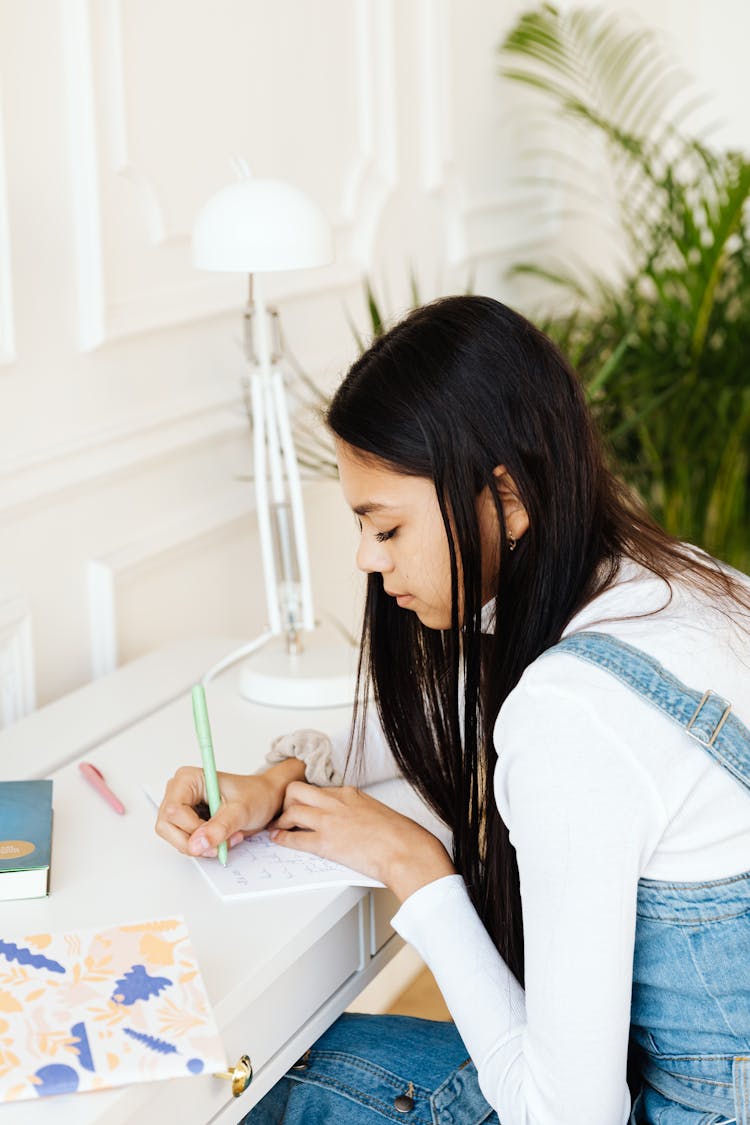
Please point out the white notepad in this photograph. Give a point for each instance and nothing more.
(260, 866)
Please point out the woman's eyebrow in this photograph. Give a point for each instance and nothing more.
(371, 506)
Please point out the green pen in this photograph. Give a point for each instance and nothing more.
(203, 730)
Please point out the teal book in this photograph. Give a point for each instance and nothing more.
(25, 838)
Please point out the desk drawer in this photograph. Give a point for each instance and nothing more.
(383, 905)
(270, 1020)
(289, 1001)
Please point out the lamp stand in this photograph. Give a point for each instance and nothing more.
(285, 672)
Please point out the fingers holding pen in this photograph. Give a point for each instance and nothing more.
(247, 806)
(248, 803)
(222, 828)
(181, 827)
(177, 818)
(185, 830)
(176, 824)
(179, 821)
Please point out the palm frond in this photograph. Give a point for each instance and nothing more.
(664, 351)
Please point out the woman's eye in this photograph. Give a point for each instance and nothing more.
(381, 536)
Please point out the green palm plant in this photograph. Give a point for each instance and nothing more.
(664, 350)
(314, 447)
(315, 451)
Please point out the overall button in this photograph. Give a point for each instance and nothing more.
(404, 1103)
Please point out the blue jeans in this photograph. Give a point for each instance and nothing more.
(368, 1069)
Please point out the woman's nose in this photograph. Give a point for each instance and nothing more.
(372, 557)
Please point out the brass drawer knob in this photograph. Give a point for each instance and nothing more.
(240, 1077)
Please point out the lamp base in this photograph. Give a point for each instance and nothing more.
(319, 676)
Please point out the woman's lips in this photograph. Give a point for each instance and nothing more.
(401, 599)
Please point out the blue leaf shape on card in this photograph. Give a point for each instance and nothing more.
(136, 984)
(56, 1078)
(24, 956)
(150, 1041)
(82, 1046)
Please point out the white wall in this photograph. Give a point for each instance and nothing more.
(122, 433)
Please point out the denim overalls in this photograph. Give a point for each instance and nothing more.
(690, 1013)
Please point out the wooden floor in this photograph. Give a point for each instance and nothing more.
(422, 998)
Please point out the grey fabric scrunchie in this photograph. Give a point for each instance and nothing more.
(314, 748)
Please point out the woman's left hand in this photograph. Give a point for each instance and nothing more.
(350, 827)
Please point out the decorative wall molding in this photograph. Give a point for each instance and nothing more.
(476, 227)
(436, 111)
(87, 232)
(122, 164)
(7, 329)
(101, 317)
(374, 175)
(17, 678)
(438, 170)
(82, 465)
(164, 548)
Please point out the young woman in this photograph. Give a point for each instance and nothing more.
(568, 688)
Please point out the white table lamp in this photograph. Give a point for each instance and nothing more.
(257, 226)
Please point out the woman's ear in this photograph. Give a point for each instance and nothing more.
(515, 515)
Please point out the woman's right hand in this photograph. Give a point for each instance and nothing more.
(248, 803)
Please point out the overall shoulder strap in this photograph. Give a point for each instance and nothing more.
(707, 718)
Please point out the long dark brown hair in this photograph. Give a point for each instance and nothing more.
(455, 389)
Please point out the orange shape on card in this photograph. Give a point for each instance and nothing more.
(39, 941)
(8, 1003)
(157, 950)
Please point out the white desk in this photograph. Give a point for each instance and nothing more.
(278, 970)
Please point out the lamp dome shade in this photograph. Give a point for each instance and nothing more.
(256, 225)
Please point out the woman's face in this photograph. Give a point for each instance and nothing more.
(403, 537)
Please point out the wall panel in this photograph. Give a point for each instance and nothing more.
(7, 338)
(122, 434)
(17, 684)
(138, 594)
(246, 82)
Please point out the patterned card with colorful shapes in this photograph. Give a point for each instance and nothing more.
(91, 1009)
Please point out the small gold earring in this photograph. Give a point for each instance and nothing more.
(512, 541)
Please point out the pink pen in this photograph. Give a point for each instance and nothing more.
(95, 778)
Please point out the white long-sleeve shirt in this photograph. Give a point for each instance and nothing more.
(598, 789)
